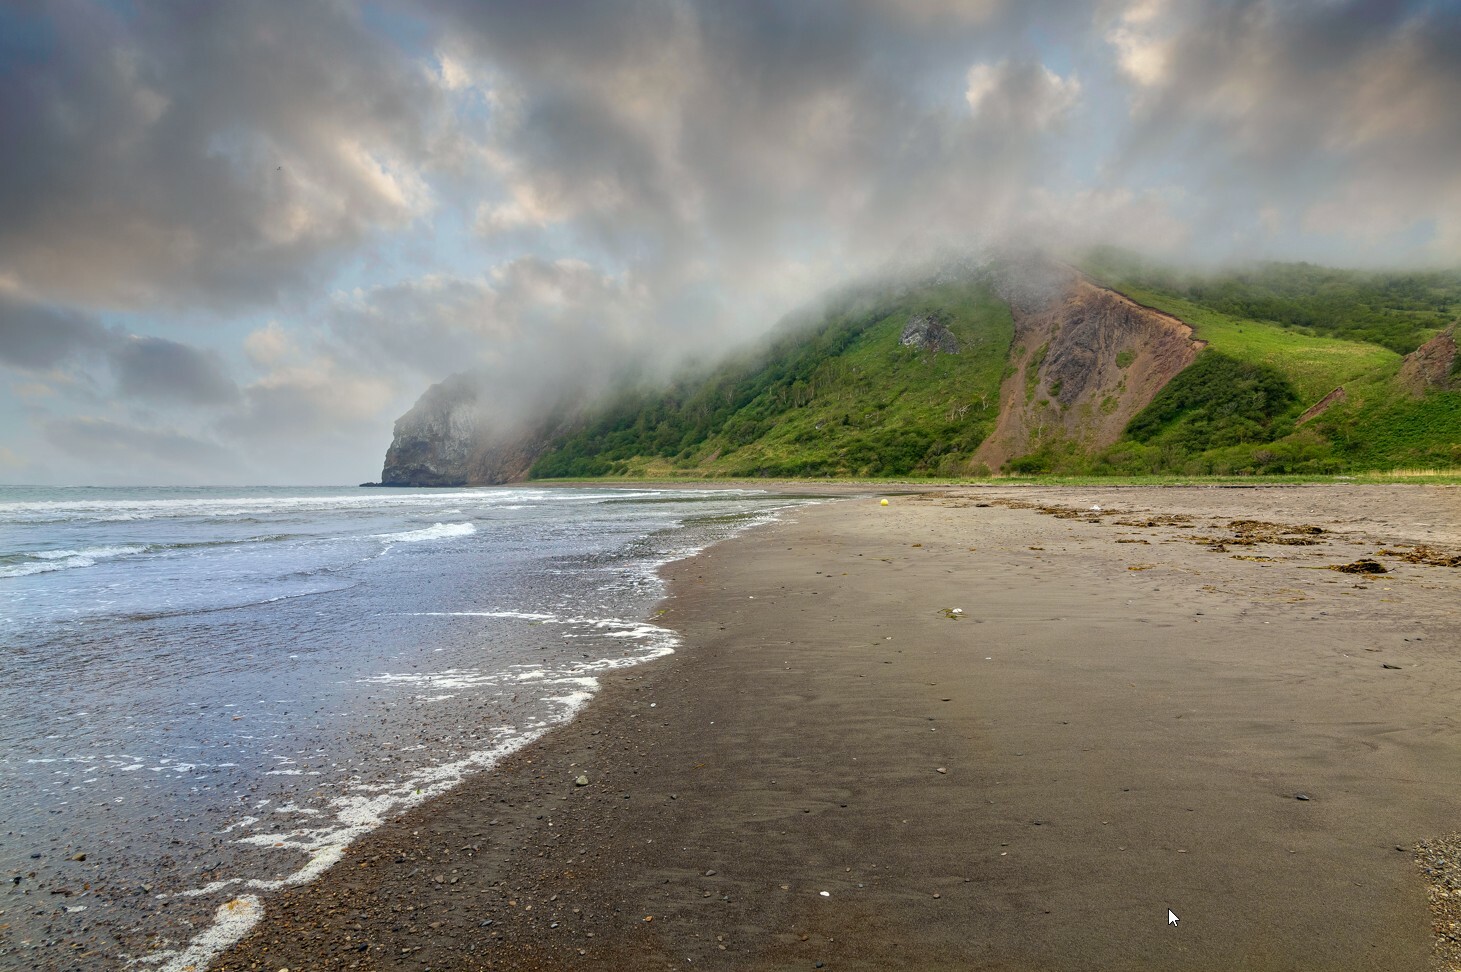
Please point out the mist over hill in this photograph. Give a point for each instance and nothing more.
(1015, 364)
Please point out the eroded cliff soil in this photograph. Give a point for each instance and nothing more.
(1432, 366)
(1082, 365)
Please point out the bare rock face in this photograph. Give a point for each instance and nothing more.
(927, 332)
(434, 441)
(1084, 363)
(1336, 397)
(448, 438)
(1432, 366)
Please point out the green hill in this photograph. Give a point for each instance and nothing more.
(1320, 330)
(1121, 366)
(840, 397)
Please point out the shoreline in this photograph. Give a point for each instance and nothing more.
(781, 752)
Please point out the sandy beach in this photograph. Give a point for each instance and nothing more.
(979, 728)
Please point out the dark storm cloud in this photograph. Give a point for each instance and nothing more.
(160, 370)
(40, 338)
(754, 132)
(1333, 118)
(36, 337)
(177, 152)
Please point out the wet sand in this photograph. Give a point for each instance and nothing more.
(1132, 711)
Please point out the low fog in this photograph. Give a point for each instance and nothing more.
(238, 240)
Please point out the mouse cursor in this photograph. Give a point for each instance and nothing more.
(1171, 918)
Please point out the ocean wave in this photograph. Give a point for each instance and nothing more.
(46, 561)
(437, 531)
(88, 552)
(126, 509)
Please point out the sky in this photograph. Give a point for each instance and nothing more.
(237, 240)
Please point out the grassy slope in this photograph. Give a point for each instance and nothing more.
(1380, 425)
(1316, 365)
(840, 396)
(843, 398)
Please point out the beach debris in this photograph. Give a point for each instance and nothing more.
(825, 894)
(1388, 665)
(1421, 554)
(1362, 566)
(952, 614)
(582, 780)
(941, 769)
(1302, 796)
(885, 503)
(1095, 508)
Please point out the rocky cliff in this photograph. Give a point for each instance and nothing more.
(450, 438)
(1434, 365)
(1083, 363)
(928, 333)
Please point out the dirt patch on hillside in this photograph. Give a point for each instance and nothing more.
(1082, 367)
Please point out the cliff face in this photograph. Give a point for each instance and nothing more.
(1432, 366)
(1083, 363)
(446, 439)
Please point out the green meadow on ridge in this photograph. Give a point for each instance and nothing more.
(838, 395)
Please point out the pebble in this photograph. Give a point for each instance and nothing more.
(941, 770)
(581, 781)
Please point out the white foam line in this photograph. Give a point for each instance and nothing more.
(232, 921)
(357, 814)
(524, 615)
(437, 531)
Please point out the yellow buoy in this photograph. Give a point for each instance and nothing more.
(885, 502)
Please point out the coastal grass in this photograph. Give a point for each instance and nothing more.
(1416, 476)
(1316, 365)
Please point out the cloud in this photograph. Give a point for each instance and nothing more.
(215, 154)
(1020, 94)
(1336, 117)
(138, 454)
(160, 370)
(37, 337)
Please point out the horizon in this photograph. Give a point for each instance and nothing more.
(242, 240)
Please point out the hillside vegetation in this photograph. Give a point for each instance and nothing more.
(1312, 330)
(1116, 367)
(1398, 311)
(840, 397)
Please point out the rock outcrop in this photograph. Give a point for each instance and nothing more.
(449, 438)
(1433, 366)
(928, 333)
(1336, 397)
(1084, 363)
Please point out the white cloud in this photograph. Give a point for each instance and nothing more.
(1020, 95)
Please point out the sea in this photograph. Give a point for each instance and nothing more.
(206, 694)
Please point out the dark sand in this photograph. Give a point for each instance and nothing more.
(1109, 730)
